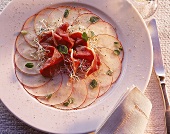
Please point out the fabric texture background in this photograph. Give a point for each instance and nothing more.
(9, 124)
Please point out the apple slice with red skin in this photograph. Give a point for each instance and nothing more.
(55, 18)
(77, 97)
(73, 13)
(84, 19)
(104, 80)
(31, 80)
(46, 90)
(24, 49)
(111, 60)
(42, 20)
(63, 8)
(108, 41)
(61, 95)
(29, 23)
(102, 27)
(82, 10)
(21, 63)
(92, 92)
(31, 37)
(81, 23)
(29, 30)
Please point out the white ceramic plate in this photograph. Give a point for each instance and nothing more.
(137, 65)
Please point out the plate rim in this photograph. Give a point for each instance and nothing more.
(7, 105)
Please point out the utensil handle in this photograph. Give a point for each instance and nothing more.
(167, 113)
(167, 116)
(166, 98)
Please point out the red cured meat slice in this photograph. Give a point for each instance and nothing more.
(49, 68)
(94, 66)
(66, 39)
(83, 52)
(79, 41)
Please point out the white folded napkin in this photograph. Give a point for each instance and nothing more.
(129, 117)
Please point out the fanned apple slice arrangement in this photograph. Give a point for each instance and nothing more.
(67, 57)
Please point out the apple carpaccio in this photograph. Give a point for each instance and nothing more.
(67, 57)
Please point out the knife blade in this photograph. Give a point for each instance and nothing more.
(159, 68)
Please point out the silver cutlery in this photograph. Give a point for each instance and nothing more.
(159, 68)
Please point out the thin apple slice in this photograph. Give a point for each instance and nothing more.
(82, 10)
(73, 13)
(103, 78)
(60, 95)
(107, 41)
(82, 22)
(41, 23)
(31, 80)
(48, 89)
(102, 27)
(29, 22)
(21, 64)
(30, 36)
(77, 97)
(55, 19)
(28, 31)
(92, 92)
(63, 8)
(24, 49)
(112, 60)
